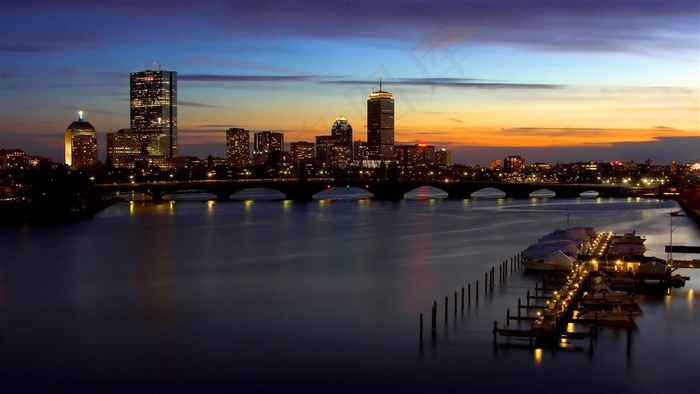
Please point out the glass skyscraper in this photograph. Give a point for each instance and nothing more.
(380, 125)
(154, 110)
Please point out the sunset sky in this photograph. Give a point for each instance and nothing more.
(548, 80)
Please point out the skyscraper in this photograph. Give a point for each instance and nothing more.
(342, 130)
(264, 143)
(80, 144)
(380, 125)
(154, 110)
(238, 147)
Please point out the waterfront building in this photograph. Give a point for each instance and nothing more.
(80, 144)
(443, 157)
(324, 144)
(13, 159)
(123, 147)
(513, 164)
(420, 154)
(238, 147)
(380, 125)
(265, 142)
(356, 148)
(301, 151)
(341, 155)
(154, 110)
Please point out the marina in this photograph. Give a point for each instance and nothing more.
(593, 280)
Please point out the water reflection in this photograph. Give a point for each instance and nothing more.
(264, 293)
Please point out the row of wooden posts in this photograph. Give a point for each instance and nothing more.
(489, 283)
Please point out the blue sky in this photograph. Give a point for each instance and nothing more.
(549, 80)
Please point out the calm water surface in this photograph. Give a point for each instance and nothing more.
(323, 296)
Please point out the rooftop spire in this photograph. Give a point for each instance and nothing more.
(80, 116)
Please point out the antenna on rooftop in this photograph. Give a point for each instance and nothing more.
(380, 81)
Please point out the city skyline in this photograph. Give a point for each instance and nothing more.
(564, 83)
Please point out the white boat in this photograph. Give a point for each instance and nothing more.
(604, 294)
(629, 249)
(555, 261)
(616, 313)
(629, 238)
(545, 248)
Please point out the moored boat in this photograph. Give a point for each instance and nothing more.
(604, 294)
(615, 313)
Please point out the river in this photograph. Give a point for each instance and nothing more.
(324, 296)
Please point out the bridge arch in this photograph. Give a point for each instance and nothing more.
(257, 193)
(346, 192)
(543, 193)
(488, 192)
(425, 192)
(590, 193)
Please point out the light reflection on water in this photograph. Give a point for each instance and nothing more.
(323, 295)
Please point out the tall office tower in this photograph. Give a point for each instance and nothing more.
(154, 110)
(301, 151)
(342, 130)
(123, 147)
(80, 143)
(264, 143)
(238, 147)
(380, 125)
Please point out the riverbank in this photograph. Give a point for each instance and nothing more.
(49, 212)
(689, 199)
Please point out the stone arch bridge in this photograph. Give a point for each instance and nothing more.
(304, 190)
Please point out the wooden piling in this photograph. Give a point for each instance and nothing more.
(462, 297)
(519, 307)
(455, 303)
(486, 282)
(447, 300)
(495, 331)
(477, 291)
(421, 326)
(433, 318)
(469, 293)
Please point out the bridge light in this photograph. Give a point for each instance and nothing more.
(347, 186)
(328, 186)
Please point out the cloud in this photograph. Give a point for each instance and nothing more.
(583, 26)
(197, 105)
(242, 78)
(451, 83)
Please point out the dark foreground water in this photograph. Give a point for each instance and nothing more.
(325, 296)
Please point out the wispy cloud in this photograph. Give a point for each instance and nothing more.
(194, 104)
(243, 78)
(451, 83)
